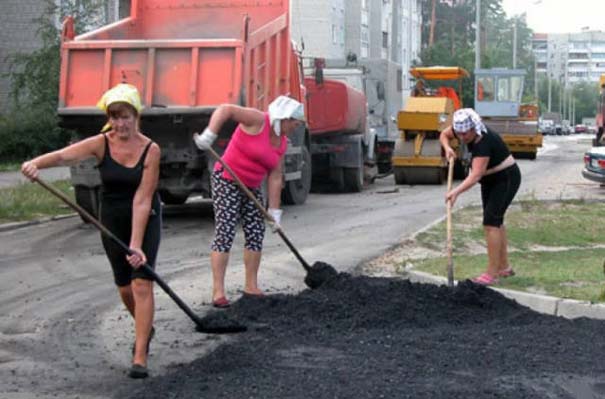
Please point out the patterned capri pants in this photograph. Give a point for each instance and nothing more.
(232, 205)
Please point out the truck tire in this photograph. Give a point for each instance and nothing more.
(296, 191)
(88, 198)
(173, 199)
(353, 179)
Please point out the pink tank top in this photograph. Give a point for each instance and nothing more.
(252, 157)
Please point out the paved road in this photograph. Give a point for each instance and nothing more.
(63, 331)
(8, 179)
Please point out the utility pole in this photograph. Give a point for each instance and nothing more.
(560, 95)
(478, 36)
(549, 91)
(515, 43)
(569, 102)
(536, 79)
(564, 102)
(433, 19)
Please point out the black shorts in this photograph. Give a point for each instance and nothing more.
(117, 217)
(497, 192)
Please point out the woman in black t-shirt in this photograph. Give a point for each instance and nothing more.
(495, 169)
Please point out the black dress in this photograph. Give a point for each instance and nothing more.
(120, 184)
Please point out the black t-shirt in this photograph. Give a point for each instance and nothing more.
(492, 146)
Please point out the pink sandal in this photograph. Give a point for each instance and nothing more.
(508, 272)
(485, 279)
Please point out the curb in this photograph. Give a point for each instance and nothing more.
(18, 225)
(554, 306)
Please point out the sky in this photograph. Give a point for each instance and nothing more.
(559, 16)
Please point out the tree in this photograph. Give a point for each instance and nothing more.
(454, 39)
(31, 126)
(586, 96)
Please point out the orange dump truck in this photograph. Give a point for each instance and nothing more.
(186, 58)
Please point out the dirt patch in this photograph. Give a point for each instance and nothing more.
(368, 337)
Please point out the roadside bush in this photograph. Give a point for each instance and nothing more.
(26, 134)
(31, 126)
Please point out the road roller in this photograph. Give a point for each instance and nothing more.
(418, 157)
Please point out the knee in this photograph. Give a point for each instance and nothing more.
(141, 288)
(125, 290)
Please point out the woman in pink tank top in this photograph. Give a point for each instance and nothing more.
(256, 150)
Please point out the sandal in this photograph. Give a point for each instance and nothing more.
(138, 371)
(508, 272)
(221, 303)
(485, 279)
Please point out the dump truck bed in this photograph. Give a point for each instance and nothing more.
(185, 56)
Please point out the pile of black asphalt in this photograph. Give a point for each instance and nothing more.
(364, 337)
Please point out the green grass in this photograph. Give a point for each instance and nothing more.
(554, 248)
(9, 166)
(29, 201)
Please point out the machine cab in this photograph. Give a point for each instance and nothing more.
(498, 92)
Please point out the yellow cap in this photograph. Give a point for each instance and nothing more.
(121, 93)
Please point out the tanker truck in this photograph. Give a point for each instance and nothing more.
(185, 57)
(378, 80)
(342, 146)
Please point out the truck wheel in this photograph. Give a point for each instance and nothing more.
(173, 199)
(296, 191)
(353, 179)
(89, 198)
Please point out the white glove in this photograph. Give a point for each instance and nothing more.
(204, 141)
(276, 215)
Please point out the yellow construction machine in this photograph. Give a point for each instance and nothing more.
(498, 93)
(418, 157)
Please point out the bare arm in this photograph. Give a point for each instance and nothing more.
(141, 204)
(444, 138)
(478, 168)
(250, 119)
(90, 147)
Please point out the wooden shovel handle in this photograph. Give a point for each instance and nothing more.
(450, 260)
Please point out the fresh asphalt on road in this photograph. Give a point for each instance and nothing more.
(64, 331)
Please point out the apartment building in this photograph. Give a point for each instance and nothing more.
(369, 29)
(570, 57)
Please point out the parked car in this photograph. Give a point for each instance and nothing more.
(580, 129)
(546, 127)
(594, 165)
(592, 129)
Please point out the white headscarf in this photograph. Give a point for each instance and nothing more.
(284, 107)
(467, 118)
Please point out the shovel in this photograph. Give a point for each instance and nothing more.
(201, 324)
(316, 274)
(450, 260)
